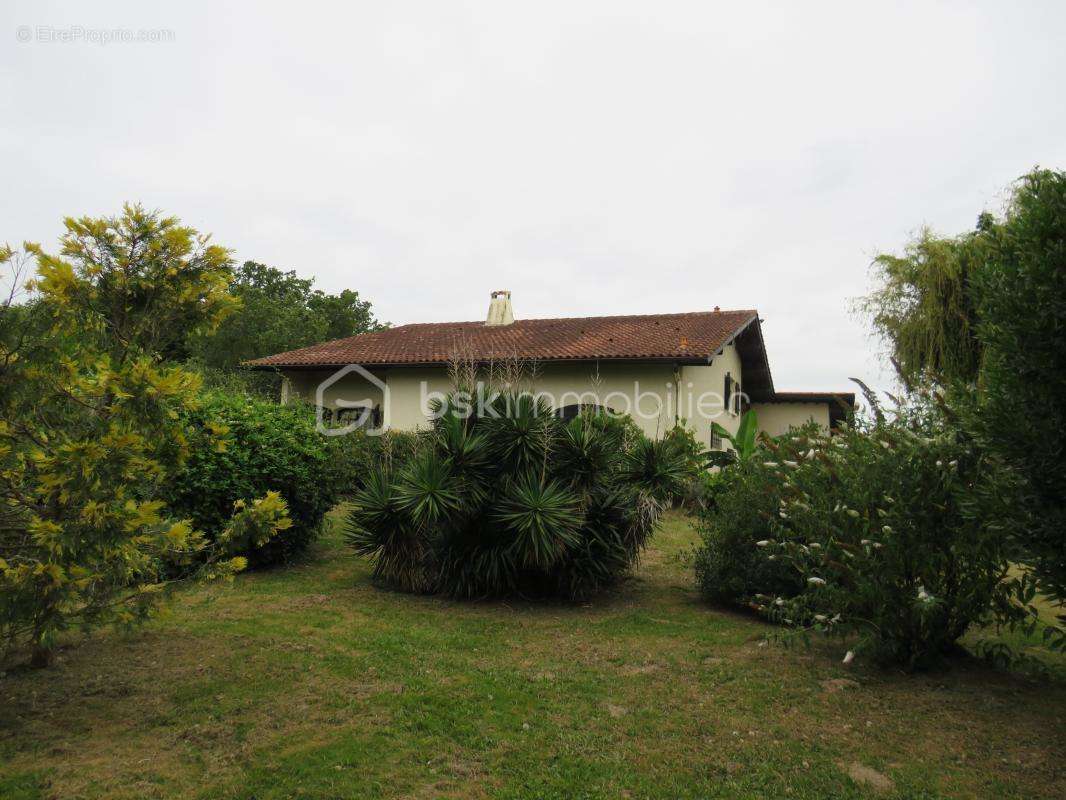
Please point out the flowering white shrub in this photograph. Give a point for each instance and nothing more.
(885, 524)
(737, 561)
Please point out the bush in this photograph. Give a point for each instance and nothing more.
(696, 487)
(356, 456)
(701, 491)
(266, 447)
(885, 525)
(515, 501)
(257, 383)
(737, 513)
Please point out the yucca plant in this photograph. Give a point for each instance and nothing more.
(656, 466)
(520, 428)
(541, 519)
(514, 500)
(587, 451)
(379, 529)
(427, 491)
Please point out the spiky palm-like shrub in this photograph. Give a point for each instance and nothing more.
(516, 500)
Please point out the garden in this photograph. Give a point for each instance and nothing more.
(202, 596)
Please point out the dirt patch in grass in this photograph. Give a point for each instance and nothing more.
(867, 776)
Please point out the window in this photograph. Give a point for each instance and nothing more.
(567, 413)
(716, 440)
(732, 396)
(362, 416)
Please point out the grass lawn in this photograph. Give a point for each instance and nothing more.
(309, 682)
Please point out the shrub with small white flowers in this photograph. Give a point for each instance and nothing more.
(734, 564)
(883, 523)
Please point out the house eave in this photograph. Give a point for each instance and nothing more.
(683, 360)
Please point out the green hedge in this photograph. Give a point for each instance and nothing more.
(241, 448)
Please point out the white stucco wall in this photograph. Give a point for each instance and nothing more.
(702, 390)
(352, 387)
(654, 394)
(777, 418)
(645, 390)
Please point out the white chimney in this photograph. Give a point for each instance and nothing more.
(500, 312)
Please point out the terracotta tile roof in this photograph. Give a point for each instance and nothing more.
(687, 337)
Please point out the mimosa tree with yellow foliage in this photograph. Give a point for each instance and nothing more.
(90, 426)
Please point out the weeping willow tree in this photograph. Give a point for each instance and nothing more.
(923, 308)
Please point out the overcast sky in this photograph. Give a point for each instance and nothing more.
(594, 158)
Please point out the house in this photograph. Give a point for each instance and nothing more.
(700, 367)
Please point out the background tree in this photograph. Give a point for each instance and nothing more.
(279, 311)
(1020, 410)
(924, 308)
(90, 425)
(979, 317)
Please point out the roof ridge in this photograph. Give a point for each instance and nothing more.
(481, 322)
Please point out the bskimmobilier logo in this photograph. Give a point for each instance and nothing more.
(364, 406)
